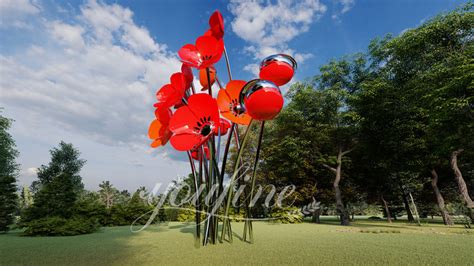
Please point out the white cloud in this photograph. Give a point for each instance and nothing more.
(95, 75)
(66, 34)
(268, 27)
(31, 171)
(89, 78)
(252, 68)
(342, 7)
(13, 12)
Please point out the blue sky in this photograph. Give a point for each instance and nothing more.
(86, 71)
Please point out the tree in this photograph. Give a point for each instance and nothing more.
(338, 84)
(108, 193)
(8, 174)
(26, 198)
(64, 161)
(59, 186)
(424, 76)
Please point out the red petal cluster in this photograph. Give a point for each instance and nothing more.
(197, 116)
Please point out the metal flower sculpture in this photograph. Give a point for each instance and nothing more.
(196, 125)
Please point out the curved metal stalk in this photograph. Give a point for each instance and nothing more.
(248, 223)
(232, 179)
(196, 188)
(227, 63)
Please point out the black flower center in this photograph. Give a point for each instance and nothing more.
(204, 126)
(236, 108)
(205, 130)
(206, 57)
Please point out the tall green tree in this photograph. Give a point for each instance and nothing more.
(338, 84)
(108, 193)
(64, 161)
(428, 73)
(26, 198)
(8, 174)
(59, 184)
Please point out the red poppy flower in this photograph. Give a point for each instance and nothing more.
(172, 94)
(224, 127)
(216, 24)
(262, 99)
(159, 130)
(229, 103)
(194, 123)
(188, 75)
(195, 152)
(207, 51)
(203, 77)
(278, 69)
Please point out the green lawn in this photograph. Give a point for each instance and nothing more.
(366, 242)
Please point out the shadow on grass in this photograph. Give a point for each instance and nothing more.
(92, 248)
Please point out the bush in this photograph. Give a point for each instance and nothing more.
(58, 226)
(374, 218)
(287, 215)
(186, 215)
(87, 207)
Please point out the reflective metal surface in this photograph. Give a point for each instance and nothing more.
(253, 86)
(279, 58)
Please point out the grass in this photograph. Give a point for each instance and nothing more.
(365, 242)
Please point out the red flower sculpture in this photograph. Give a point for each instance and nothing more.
(225, 125)
(188, 75)
(172, 94)
(195, 152)
(194, 123)
(158, 130)
(203, 77)
(216, 24)
(278, 68)
(262, 99)
(229, 103)
(206, 52)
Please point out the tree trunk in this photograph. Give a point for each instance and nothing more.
(343, 214)
(389, 217)
(406, 204)
(460, 180)
(439, 199)
(108, 201)
(415, 210)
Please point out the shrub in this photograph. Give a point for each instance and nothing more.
(374, 218)
(186, 215)
(286, 215)
(58, 226)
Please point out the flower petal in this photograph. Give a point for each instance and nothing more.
(223, 101)
(188, 74)
(216, 22)
(154, 129)
(189, 55)
(234, 87)
(202, 105)
(210, 50)
(182, 121)
(203, 77)
(179, 82)
(185, 141)
(168, 96)
(163, 114)
(224, 127)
